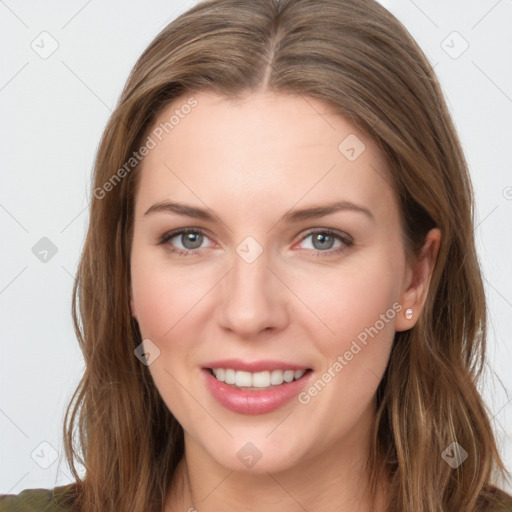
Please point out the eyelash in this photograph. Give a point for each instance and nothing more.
(346, 241)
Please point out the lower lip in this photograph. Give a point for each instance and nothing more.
(254, 402)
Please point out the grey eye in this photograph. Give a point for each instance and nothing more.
(191, 240)
(322, 241)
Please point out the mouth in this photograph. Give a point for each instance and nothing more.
(257, 381)
(257, 387)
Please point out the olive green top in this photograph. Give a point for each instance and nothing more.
(38, 500)
(54, 500)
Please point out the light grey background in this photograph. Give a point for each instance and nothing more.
(53, 111)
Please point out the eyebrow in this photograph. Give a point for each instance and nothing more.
(290, 217)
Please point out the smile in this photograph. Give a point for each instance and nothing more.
(251, 389)
(255, 380)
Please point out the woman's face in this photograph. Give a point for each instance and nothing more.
(266, 285)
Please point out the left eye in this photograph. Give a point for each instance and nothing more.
(323, 240)
(192, 239)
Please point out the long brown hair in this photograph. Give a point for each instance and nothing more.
(358, 58)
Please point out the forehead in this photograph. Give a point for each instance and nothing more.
(263, 122)
(265, 144)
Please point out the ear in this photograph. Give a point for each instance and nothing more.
(417, 281)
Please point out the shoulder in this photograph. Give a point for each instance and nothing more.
(57, 499)
(493, 499)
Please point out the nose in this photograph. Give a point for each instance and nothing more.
(254, 299)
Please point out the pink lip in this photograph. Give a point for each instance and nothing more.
(253, 402)
(254, 366)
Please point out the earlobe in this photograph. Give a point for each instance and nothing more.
(415, 295)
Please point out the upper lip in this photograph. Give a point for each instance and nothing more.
(254, 366)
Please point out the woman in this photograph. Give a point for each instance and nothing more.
(279, 301)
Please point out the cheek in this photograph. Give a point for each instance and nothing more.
(360, 308)
(354, 297)
(358, 305)
(163, 301)
(162, 295)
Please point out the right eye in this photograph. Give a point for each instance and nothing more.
(191, 240)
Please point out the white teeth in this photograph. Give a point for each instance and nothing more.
(257, 379)
(229, 376)
(298, 374)
(276, 377)
(261, 379)
(220, 373)
(243, 379)
(288, 375)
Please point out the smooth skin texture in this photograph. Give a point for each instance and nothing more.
(249, 162)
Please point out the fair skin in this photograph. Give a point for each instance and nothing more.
(249, 162)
